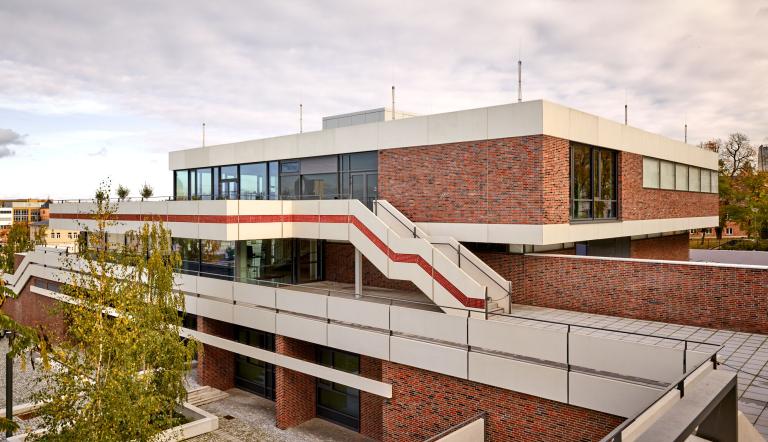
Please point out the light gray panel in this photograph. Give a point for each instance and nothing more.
(326, 164)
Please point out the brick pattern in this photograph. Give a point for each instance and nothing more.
(295, 393)
(37, 311)
(673, 248)
(688, 294)
(17, 259)
(424, 404)
(638, 202)
(339, 266)
(501, 181)
(371, 405)
(216, 367)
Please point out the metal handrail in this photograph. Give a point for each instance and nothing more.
(679, 384)
(442, 434)
(458, 251)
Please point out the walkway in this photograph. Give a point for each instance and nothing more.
(746, 353)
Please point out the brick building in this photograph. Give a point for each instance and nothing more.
(367, 273)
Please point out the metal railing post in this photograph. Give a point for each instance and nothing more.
(485, 302)
(9, 383)
(568, 365)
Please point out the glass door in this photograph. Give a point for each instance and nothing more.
(336, 402)
(364, 187)
(252, 374)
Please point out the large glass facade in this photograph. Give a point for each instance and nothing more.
(217, 259)
(285, 261)
(337, 402)
(252, 374)
(352, 175)
(593, 183)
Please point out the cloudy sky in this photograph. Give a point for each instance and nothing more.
(97, 89)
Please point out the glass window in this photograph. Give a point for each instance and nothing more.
(667, 175)
(694, 179)
(705, 180)
(203, 184)
(315, 165)
(273, 178)
(228, 188)
(320, 186)
(364, 161)
(217, 259)
(181, 191)
(650, 172)
(582, 182)
(189, 252)
(266, 259)
(291, 166)
(593, 183)
(714, 177)
(290, 187)
(605, 183)
(681, 177)
(253, 181)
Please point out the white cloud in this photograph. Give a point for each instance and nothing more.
(243, 67)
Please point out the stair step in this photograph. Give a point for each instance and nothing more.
(205, 395)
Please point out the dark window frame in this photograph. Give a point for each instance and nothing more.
(594, 198)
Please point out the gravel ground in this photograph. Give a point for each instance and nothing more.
(245, 417)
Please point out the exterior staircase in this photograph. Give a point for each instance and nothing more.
(498, 288)
(205, 395)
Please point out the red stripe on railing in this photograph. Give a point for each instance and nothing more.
(409, 258)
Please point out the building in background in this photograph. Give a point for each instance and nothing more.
(58, 238)
(373, 273)
(762, 158)
(24, 210)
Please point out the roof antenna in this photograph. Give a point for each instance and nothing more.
(301, 118)
(393, 102)
(625, 107)
(686, 129)
(203, 134)
(519, 75)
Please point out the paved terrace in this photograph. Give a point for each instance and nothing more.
(745, 353)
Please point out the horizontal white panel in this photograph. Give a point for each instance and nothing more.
(217, 288)
(626, 358)
(355, 340)
(532, 342)
(609, 395)
(432, 325)
(533, 379)
(302, 302)
(434, 357)
(356, 311)
(254, 317)
(302, 328)
(255, 294)
(215, 309)
(190, 304)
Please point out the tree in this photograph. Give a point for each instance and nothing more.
(19, 241)
(122, 192)
(123, 364)
(748, 202)
(146, 192)
(736, 154)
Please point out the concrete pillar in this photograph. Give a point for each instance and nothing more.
(358, 273)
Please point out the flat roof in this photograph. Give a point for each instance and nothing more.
(537, 117)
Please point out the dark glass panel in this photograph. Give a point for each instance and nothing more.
(217, 258)
(320, 186)
(182, 184)
(290, 187)
(253, 181)
(189, 251)
(273, 179)
(291, 166)
(582, 172)
(364, 161)
(203, 180)
(266, 259)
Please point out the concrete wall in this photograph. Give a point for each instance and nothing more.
(747, 257)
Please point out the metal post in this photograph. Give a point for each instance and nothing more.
(358, 273)
(9, 383)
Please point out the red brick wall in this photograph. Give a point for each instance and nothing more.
(17, 259)
(424, 404)
(294, 392)
(689, 294)
(638, 202)
(216, 367)
(502, 181)
(371, 405)
(673, 248)
(339, 262)
(35, 310)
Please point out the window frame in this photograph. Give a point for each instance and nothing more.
(593, 186)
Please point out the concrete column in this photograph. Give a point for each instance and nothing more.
(358, 273)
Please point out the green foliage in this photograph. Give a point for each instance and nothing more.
(123, 364)
(146, 191)
(19, 241)
(122, 192)
(744, 200)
